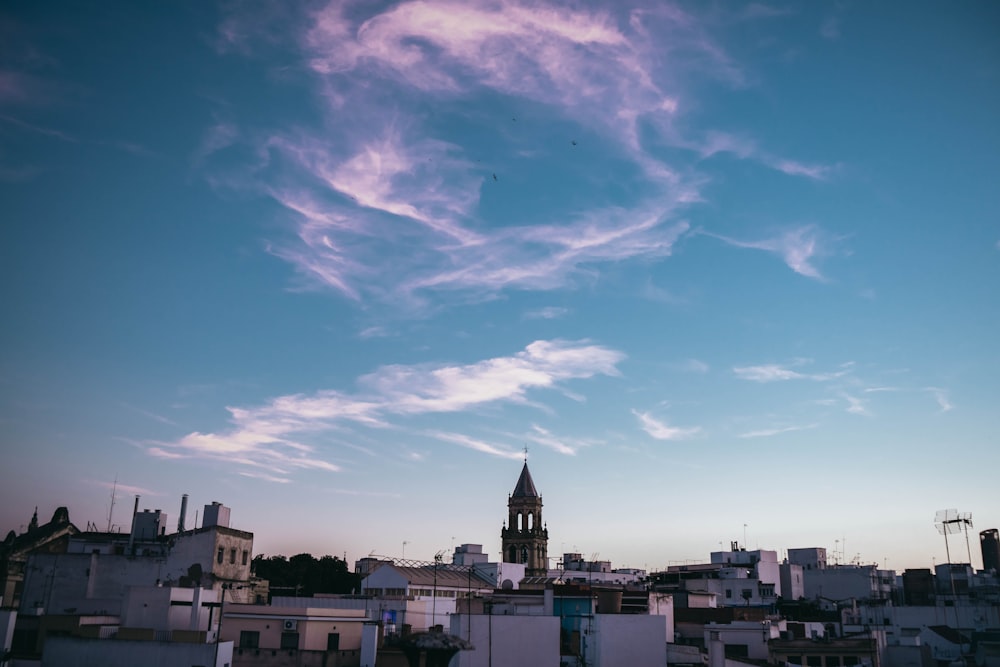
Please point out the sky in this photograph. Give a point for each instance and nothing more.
(728, 272)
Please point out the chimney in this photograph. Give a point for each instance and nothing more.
(184, 506)
(131, 535)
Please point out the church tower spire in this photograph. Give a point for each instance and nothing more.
(525, 538)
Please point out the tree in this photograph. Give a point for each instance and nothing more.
(304, 575)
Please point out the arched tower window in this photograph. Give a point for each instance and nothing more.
(531, 523)
(524, 554)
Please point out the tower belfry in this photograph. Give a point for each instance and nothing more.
(525, 537)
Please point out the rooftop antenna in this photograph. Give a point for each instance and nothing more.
(948, 523)
(965, 521)
(111, 509)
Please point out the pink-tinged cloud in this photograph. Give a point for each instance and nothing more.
(127, 489)
(386, 212)
(269, 437)
(588, 65)
(475, 444)
(391, 252)
(716, 142)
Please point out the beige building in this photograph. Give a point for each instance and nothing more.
(300, 636)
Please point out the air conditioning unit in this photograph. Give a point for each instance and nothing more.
(290, 625)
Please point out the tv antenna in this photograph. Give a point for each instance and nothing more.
(965, 518)
(951, 521)
(111, 509)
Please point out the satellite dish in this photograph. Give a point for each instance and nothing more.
(507, 585)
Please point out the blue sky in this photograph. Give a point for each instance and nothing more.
(723, 269)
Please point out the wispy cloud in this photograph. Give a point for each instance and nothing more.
(778, 373)
(560, 444)
(388, 207)
(766, 373)
(216, 138)
(128, 489)
(691, 366)
(662, 431)
(855, 405)
(795, 168)
(715, 142)
(386, 210)
(767, 432)
(547, 313)
(373, 332)
(453, 260)
(38, 129)
(270, 436)
(266, 477)
(830, 28)
(659, 294)
(151, 415)
(941, 396)
(759, 10)
(476, 444)
(798, 248)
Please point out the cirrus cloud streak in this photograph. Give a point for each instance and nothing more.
(269, 439)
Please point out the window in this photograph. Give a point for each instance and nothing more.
(289, 640)
(219, 556)
(850, 660)
(729, 593)
(232, 556)
(814, 660)
(333, 641)
(246, 556)
(249, 639)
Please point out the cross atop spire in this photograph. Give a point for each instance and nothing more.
(525, 454)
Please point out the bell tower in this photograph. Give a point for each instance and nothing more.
(525, 538)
